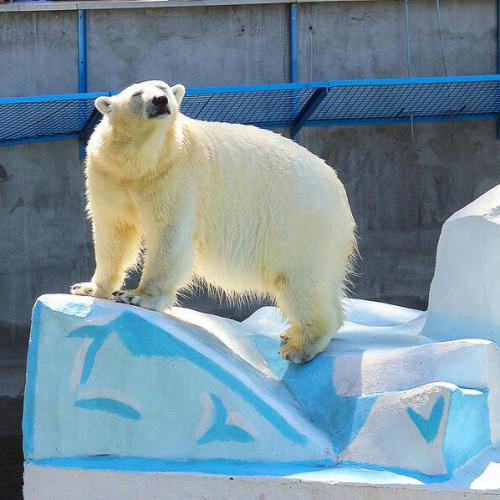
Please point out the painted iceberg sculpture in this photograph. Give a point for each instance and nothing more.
(111, 386)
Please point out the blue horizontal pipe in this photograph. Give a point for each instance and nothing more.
(272, 125)
(50, 98)
(46, 138)
(255, 88)
(346, 83)
(276, 125)
(271, 87)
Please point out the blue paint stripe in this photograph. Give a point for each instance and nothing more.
(109, 406)
(221, 431)
(429, 427)
(224, 467)
(267, 411)
(88, 363)
(210, 366)
(217, 371)
(217, 466)
(31, 377)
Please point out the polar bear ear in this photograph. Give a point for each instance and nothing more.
(103, 104)
(179, 92)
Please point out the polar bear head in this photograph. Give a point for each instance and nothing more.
(147, 104)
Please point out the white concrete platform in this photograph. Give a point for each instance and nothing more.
(125, 403)
(478, 480)
(190, 398)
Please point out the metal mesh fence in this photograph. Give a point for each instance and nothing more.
(393, 101)
(48, 117)
(259, 107)
(29, 120)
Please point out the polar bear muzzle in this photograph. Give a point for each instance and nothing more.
(159, 107)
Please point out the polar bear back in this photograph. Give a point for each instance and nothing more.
(263, 201)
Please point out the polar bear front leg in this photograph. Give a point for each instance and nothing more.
(168, 261)
(117, 247)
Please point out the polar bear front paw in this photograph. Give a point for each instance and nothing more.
(83, 289)
(135, 298)
(90, 289)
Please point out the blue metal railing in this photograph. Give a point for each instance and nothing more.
(44, 118)
(294, 105)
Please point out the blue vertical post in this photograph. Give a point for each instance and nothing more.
(82, 61)
(82, 50)
(294, 48)
(498, 57)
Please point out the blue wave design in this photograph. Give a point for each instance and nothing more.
(110, 406)
(221, 431)
(130, 330)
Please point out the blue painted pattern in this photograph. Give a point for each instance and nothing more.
(176, 391)
(429, 427)
(110, 406)
(221, 431)
(142, 338)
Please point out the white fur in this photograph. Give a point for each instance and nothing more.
(246, 209)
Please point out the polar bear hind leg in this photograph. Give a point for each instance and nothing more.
(313, 308)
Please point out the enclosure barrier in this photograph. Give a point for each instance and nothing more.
(288, 105)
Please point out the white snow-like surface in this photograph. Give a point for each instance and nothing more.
(401, 398)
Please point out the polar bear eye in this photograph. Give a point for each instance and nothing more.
(137, 94)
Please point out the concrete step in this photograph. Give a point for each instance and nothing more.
(431, 429)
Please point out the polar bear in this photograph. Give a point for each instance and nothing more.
(246, 209)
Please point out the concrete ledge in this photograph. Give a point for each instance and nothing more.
(348, 483)
(144, 4)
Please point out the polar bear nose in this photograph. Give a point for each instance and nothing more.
(160, 101)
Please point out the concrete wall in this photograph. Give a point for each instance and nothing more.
(400, 192)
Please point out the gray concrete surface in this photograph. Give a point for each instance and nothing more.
(400, 192)
(202, 47)
(38, 53)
